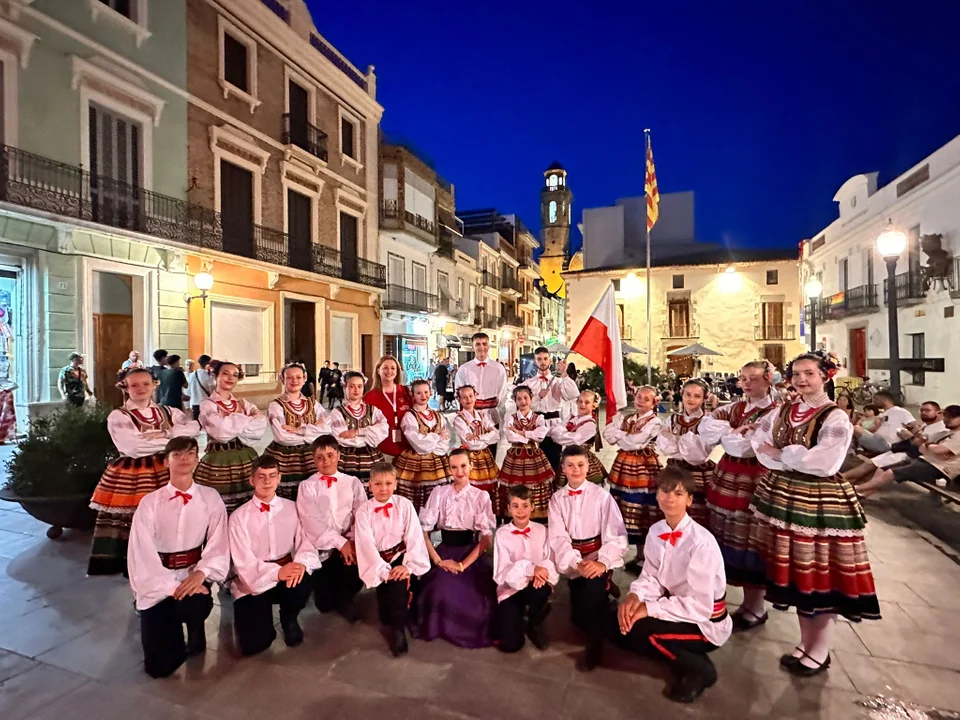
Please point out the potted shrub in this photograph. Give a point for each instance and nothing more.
(54, 470)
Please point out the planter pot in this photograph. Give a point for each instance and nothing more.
(72, 512)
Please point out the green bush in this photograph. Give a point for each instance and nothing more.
(64, 454)
(633, 372)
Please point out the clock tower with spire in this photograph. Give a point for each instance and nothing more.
(555, 212)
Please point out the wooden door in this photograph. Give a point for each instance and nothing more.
(680, 365)
(112, 341)
(858, 352)
(304, 342)
(236, 209)
(367, 361)
(300, 230)
(776, 354)
(299, 114)
(349, 232)
(772, 321)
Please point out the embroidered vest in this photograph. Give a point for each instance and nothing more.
(738, 418)
(353, 423)
(680, 426)
(425, 429)
(806, 433)
(633, 424)
(290, 416)
(142, 424)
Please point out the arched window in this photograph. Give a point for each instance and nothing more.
(553, 211)
(552, 181)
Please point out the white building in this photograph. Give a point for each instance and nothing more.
(924, 202)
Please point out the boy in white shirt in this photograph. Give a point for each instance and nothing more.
(327, 505)
(676, 609)
(273, 561)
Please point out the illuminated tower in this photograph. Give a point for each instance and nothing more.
(555, 210)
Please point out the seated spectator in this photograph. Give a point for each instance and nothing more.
(846, 404)
(869, 419)
(929, 429)
(892, 420)
(938, 461)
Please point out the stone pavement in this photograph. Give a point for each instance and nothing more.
(70, 648)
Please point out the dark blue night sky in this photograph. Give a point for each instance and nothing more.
(763, 108)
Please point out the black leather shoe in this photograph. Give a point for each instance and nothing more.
(746, 620)
(788, 660)
(538, 637)
(592, 657)
(196, 641)
(801, 670)
(398, 643)
(348, 611)
(292, 632)
(687, 689)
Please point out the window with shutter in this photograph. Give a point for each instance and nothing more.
(347, 131)
(115, 168)
(235, 69)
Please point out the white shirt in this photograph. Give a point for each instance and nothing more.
(246, 423)
(381, 526)
(632, 432)
(131, 442)
(888, 459)
(688, 447)
(164, 523)
(489, 380)
(516, 554)
(537, 434)
(578, 430)
(370, 436)
(823, 459)
(433, 441)
(257, 538)
(463, 424)
(716, 428)
(892, 421)
(582, 514)
(306, 433)
(681, 583)
(560, 390)
(327, 510)
(469, 509)
(200, 386)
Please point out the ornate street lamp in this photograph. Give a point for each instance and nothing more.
(891, 243)
(813, 290)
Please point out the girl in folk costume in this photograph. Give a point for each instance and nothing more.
(296, 421)
(423, 466)
(581, 429)
(680, 441)
(808, 524)
(477, 430)
(359, 428)
(232, 425)
(633, 477)
(140, 430)
(735, 479)
(393, 400)
(525, 463)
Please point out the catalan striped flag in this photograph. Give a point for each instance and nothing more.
(650, 189)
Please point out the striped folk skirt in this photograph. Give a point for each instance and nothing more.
(809, 531)
(633, 484)
(527, 465)
(483, 475)
(357, 461)
(703, 477)
(125, 482)
(728, 504)
(227, 468)
(596, 472)
(296, 465)
(418, 475)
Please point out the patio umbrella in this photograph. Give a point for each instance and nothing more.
(695, 350)
(629, 349)
(559, 348)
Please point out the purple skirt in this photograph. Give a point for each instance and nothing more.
(457, 608)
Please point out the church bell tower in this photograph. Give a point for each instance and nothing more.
(555, 212)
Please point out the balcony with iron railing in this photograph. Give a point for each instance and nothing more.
(512, 319)
(529, 265)
(858, 300)
(300, 133)
(407, 299)
(775, 332)
(487, 319)
(490, 279)
(680, 330)
(43, 184)
(510, 284)
(393, 217)
(911, 286)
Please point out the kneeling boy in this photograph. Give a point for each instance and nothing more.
(524, 575)
(390, 548)
(178, 546)
(676, 607)
(273, 561)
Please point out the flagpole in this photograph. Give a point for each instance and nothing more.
(646, 226)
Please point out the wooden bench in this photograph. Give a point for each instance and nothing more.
(943, 493)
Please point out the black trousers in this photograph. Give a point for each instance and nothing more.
(552, 450)
(393, 603)
(680, 644)
(519, 612)
(196, 411)
(161, 632)
(253, 614)
(335, 584)
(590, 604)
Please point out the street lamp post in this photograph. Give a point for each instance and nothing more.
(891, 243)
(813, 289)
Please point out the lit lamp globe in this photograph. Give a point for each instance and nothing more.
(203, 281)
(892, 242)
(813, 288)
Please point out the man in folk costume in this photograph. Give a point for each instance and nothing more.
(359, 429)
(488, 377)
(550, 393)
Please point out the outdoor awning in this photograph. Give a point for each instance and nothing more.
(452, 341)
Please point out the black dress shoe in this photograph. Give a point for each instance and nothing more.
(398, 643)
(801, 670)
(292, 632)
(746, 620)
(788, 660)
(538, 637)
(348, 611)
(592, 657)
(196, 641)
(687, 689)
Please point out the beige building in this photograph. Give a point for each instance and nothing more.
(745, 306)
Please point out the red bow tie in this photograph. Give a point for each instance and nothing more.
(574, 492)
(264, 507)
(385, 508)
(328, 479)
(186, 496)
(524, 532)
(481, 364)
(544, 376)
(671, 537)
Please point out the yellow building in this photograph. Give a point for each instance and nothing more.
(744, 305)
(555, 212)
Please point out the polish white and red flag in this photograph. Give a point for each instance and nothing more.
(599, 342)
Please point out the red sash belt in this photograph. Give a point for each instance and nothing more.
(719, 610)
(285, 560)
(485, 404)
(391, 553)
(585, 547)
(182, 559)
